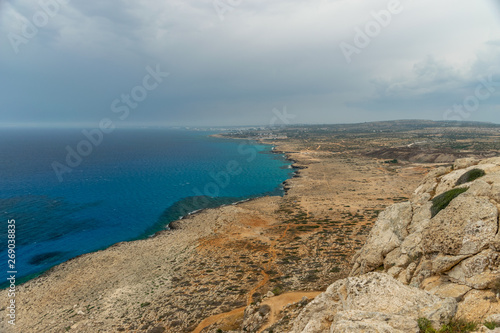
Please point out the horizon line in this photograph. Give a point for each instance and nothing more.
(156, 125)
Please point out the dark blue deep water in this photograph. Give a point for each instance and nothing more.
(131, 185)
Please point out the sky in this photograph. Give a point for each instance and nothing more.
(242, 62)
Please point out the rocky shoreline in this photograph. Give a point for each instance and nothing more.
(218, 262)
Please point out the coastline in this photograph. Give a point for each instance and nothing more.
(282, 187)
(223, 258)
(174, 224)
(157, 227)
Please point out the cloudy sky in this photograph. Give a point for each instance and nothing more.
(232, 62)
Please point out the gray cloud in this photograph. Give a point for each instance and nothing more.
(262, 55)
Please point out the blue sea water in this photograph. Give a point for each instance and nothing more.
(131, 185)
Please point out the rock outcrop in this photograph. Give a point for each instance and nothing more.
(373, 302)
(454, 253)
(436, 256)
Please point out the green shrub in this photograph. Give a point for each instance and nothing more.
(458, 326)
(424, 326)
(277, 290)
(470, 176)
(491, 325)
(454, 326)
(441, 201)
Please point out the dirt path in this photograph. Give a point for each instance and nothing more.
(265, 278)
(277, 304)
(254, 289)
(213, 319)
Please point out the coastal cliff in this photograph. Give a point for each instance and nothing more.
(350, 247)
(220, 269)
(427, 261)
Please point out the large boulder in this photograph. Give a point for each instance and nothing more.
(365, 322)
(373, 302)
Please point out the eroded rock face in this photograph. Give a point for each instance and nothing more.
(456, 253)
(467, 226)
(386, 235)
(360, 321)
(373, 302)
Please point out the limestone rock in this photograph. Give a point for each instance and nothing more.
(368, 322)
(494, 318)
(477, 305)
(463, 163)
(493, 160)
(440, 286)
(442, 263)
(386, 235)
(318, 314)
(448, 181)
(255, 316)
(478, 272)
(375, 302)
(466, 226)
(454, 254)
(421, 217)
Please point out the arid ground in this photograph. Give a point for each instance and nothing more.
(270, 251)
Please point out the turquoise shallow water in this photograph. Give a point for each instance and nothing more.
(130, 186)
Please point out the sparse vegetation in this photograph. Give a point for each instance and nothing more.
(335, 269)
(442, 201)
(264, 310)
(454, 326)
(425, 326)
(470, 176)
(458, 326)
(277, 291)
(490, 325)
(311, 240)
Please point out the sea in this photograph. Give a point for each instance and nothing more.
(70, 192)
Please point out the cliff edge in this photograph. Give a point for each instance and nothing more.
(435, 257)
